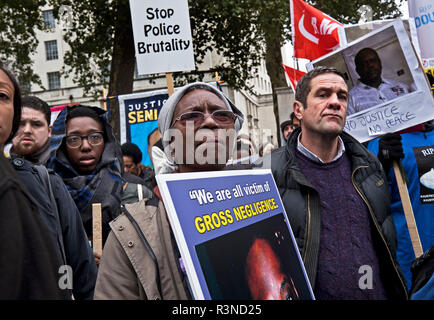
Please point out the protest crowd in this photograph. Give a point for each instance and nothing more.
(340, 196)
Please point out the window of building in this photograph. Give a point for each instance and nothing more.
(49, 22)
(136, 73)
(53, 80)
(51, 50)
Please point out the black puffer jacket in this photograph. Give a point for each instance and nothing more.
(303, 207)
(29, 264)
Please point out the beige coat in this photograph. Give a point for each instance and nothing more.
(127, 270)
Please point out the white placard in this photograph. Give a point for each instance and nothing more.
(423, 13)
(399, 63)
(162, 36)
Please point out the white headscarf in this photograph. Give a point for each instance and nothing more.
(163, 162)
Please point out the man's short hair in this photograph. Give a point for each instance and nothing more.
(303, 86)
(39, 105)
(130, 149)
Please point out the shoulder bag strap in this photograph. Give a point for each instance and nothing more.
(45, 177)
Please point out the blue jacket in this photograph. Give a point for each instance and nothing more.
(77, 250)
(418, 160)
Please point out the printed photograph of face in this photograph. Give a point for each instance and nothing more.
(388, 87)
(376, 70)
(256, 262)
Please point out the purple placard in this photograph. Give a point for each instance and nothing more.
(223, 222)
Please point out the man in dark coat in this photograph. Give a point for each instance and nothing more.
(29, 263)
(57, 209)
(336, 197)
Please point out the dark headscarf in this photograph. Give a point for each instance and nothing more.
(104, 185)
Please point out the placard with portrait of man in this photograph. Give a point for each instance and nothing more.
(372, 88)
(388, 89)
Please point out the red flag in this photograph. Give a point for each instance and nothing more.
(314, 33)
(294, 75)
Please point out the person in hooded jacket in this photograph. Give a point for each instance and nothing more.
(85, 154)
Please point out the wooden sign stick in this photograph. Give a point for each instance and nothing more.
(105, 98)
(97, 228)
(408, 211)
(169, 81)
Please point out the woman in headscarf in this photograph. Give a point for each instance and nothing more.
(141, 259)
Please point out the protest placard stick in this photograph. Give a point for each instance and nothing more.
(169, 81)
(408, 211)
(97, 228)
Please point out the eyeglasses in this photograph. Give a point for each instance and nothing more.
(223, 117)
(75, 140)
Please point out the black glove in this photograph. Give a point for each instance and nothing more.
(422, 269)
(389, 150)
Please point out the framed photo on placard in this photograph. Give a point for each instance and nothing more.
(388, 88)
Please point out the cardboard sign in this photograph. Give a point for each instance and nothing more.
(138, 114)
(233, 235)
(162, 36)
(407, 100)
